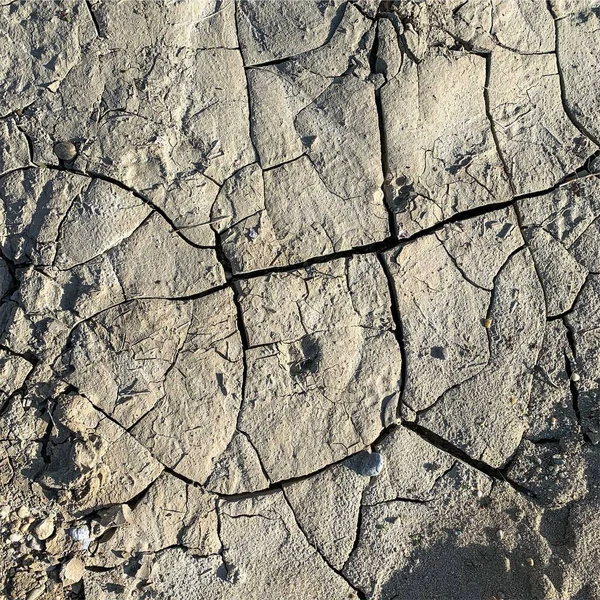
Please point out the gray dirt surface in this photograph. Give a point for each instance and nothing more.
(300, 300)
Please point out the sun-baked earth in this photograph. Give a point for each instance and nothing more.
(300, 300)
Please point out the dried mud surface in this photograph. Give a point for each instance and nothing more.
(299, 300)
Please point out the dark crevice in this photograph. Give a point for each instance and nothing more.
(382, 137)
(30, 146)
(222, 257)
(31, 358)
(378, 247)
(544, 441)
(93, 17)
(98, 569)
(44, 451)
(441, 444)
(270, 63)
(570, 367)
(288, 162)
(277, 485)
(136, 194)
(470, 213)
(398, 331)
(181, 477)
(382, 246)
(402, 499)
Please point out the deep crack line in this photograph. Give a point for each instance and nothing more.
(398, 330)
(571, 369)
(93, 175)
(445, 446)
(382, 137)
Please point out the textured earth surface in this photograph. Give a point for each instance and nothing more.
(300, 299)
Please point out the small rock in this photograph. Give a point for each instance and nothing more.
(65, 150)
(373, 464)
(575, 377)
(81, 534)
(15, 538)
(24, 527)
(4, 511)
(487, 323)
(44, 529)
(500, 534)
(530, 562)
(72, 571)
(116, 516)
(23, 512)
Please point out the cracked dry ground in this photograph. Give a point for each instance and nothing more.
(300, 300)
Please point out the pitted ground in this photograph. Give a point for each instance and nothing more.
(300, 299)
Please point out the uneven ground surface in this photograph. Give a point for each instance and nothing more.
(300, 300)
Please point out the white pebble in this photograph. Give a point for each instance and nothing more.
(575, 377)
(374, 465)
(81, 534)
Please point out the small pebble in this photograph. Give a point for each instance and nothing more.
(72, 571)
(575, 377)
(116, 516)
(4, 511)
(530, 562)
(500, 534)
(373, 465)
(23, 512)
(81, 534)
(44, 529)
(487, 323)
(553, 421)
(65, 150)
(15, 538)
